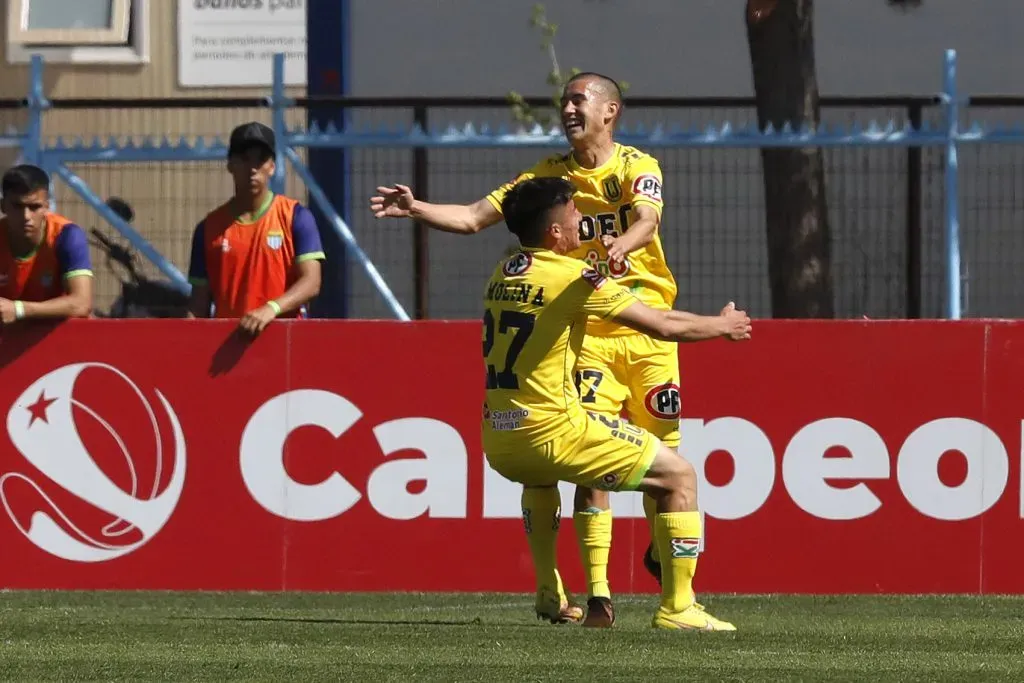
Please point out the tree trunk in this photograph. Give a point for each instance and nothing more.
(780, 34)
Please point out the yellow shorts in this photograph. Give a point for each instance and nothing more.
(608, 454)
(632, 375)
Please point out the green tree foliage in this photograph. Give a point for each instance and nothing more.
(556, 79)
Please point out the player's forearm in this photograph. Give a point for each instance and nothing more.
(638, 235)
(299, 294)
(67, 306)
(682, 326)
(459, 219)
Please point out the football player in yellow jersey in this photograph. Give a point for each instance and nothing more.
(620, 200)
(535, 428)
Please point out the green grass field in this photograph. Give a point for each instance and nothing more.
(494, 637)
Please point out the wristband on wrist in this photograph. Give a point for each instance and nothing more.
(274, 306)
(19, 310)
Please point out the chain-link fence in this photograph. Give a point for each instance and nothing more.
(885, 204)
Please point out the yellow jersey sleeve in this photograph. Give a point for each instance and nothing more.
(605, 297)
(544, 167)
(642, 182)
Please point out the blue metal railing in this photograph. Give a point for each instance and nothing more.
(886, 134)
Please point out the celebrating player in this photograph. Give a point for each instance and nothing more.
(535, 430)
(45, 269)
(619, 196)
(257, 257)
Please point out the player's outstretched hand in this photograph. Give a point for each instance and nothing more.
(392, 202)
(738, 327)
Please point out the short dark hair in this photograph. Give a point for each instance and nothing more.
(609, 83)
(527, 207)
(24, 179)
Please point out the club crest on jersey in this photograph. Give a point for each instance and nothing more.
(612, 189)
(593, 277)
(275, 240)
(664, 402)
(648, 186)
(518, 264)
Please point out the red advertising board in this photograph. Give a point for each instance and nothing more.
(835, 457)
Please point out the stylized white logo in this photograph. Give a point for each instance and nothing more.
(42, 427)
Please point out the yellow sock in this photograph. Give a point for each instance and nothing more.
(678, 535)
(542, 509)
(594, 534)
(650, 511)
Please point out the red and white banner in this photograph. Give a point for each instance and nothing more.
(834, 456)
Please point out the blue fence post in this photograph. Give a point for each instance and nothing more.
(952, 107)
(279, 105)
(327, 74)
(345, 233)
(37, 104)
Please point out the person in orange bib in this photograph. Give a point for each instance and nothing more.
(256, 257)
(45, 269)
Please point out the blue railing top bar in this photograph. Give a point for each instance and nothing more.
(355, 102)
(873, 134)
(948, 132)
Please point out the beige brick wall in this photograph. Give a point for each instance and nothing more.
(169, 197)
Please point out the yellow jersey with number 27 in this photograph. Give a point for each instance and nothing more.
(606, 197)
(536, 306)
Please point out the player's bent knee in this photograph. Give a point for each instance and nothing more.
(674, 476)
(590, 499)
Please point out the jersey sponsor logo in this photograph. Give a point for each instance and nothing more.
(648, 186)
(612, 189)
(518, 264)
(664, 402)
(507, 420)
(607, 267)
(275, 240)
(594, 278)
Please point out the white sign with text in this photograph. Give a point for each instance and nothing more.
(231, 43)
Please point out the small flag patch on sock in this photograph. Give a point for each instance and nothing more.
(685, 547)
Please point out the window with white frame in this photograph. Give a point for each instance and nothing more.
(78, 31)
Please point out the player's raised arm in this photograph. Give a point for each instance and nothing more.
(637, 236)
(607, 299)
(680, 326)
(461, 219)
(642, 189)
